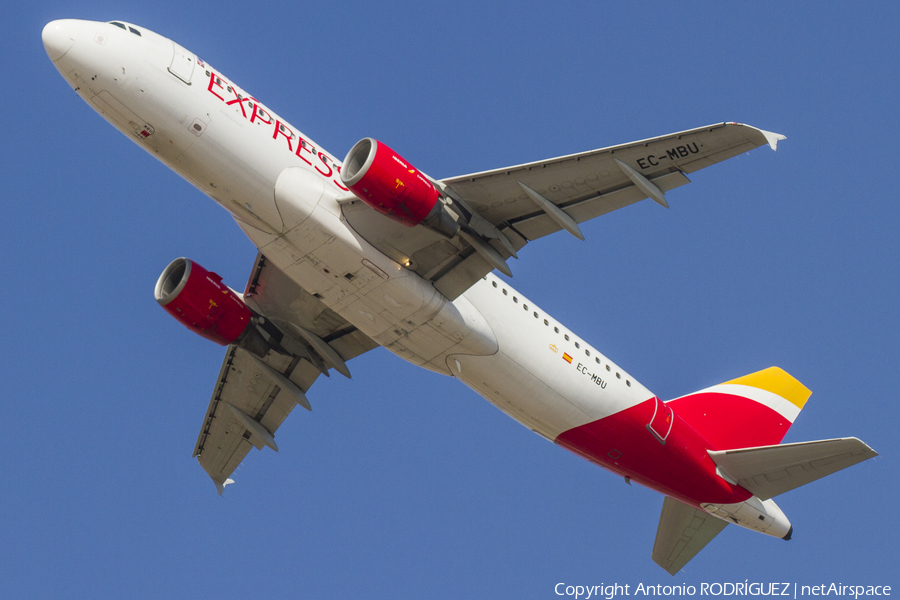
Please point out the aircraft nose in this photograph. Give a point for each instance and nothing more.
(58, 37)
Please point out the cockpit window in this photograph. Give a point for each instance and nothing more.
(128, 28)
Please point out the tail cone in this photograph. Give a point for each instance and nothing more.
(788, 535)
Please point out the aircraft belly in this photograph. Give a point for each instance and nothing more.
(713, 453)
(456, 330)
(519, 393)
(390, 304)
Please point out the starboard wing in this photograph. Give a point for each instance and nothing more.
(580, 186)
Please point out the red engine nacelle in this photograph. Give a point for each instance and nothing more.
(201, 302)
(385, 181)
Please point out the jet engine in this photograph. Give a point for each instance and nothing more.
(385, 181)
(200, 301)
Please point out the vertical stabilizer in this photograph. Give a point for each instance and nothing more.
(753, 410)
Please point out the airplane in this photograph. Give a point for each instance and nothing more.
(370, 251)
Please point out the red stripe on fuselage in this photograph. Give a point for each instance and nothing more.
(728, 421)
(680, 468)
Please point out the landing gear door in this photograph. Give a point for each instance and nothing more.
(661, 423)
(182, 65)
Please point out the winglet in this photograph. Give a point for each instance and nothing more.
(773, 138)
(220, 485)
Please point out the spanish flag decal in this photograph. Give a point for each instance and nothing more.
(567, 358)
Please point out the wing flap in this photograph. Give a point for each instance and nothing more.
(768, 471)
(683, 532)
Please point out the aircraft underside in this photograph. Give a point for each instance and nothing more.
(370, 252)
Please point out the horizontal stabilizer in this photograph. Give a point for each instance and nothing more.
(683, 532)
(768, 471)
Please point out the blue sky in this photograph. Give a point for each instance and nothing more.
(403, 483)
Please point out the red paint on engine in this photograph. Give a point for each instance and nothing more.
(385, 181)
(680, 467)
(201, 302)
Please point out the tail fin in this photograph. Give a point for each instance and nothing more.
(771, 470)
(753, 410)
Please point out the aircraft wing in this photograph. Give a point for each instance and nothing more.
(561, 192)
(683, 532)
(250, 400)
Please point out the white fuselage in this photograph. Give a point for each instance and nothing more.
(233, 148)
(283, 190)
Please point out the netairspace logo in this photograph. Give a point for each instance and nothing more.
(744, 588)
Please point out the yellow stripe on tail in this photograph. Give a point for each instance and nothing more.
(779, 382)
